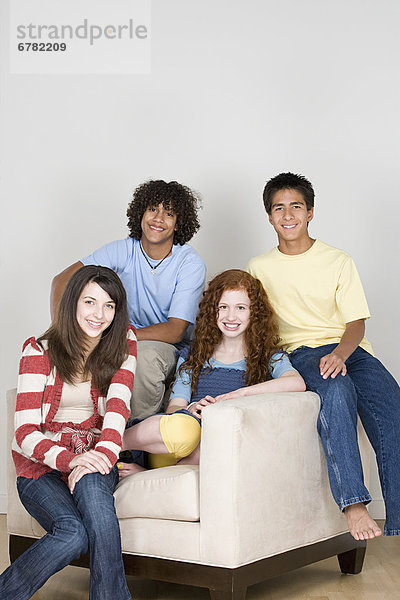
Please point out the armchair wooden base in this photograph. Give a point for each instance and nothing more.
(224, 583)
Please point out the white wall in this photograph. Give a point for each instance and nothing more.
(239, 91)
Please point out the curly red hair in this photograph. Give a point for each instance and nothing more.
(261, 336)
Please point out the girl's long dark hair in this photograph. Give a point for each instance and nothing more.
(67, 343)
(261, 336)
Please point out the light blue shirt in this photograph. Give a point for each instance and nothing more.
(173, 289)
(278, 365)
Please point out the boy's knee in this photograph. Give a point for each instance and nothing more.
(156, 364)
(181, 434)
(156, 359)
(306, 363)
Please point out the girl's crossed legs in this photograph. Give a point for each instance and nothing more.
(168, 439)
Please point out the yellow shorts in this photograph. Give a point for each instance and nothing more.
(181, 435)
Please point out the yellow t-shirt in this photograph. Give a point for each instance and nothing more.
(314, 294)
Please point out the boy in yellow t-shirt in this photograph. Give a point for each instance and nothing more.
(317, 294)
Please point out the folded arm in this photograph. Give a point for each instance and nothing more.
(171, 331)
(290, 381)
(187, 291)
(176, 404)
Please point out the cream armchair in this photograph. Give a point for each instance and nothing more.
(259, 504)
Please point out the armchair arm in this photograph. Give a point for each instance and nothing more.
(263, 479)
(19, 521)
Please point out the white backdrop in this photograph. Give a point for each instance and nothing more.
(239, 91)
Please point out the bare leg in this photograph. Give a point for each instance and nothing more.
(180, 437)
(145, 436)
(192, 459)
(361, 525)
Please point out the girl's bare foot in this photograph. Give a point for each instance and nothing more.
(361, 525)
(126, 469)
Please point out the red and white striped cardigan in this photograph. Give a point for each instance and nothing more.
(40, 444)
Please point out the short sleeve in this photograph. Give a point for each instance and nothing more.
(280, 364)
(350, 297)
(188, 291)
(114, 255)
(182, 385)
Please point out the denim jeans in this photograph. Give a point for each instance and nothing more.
(369, 389)
(74, 523)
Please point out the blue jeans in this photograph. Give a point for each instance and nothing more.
(369, 389)
(74, 523)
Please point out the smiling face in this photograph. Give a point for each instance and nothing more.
(233, 313)
(158, 227)
(95, 311)
(290, 217)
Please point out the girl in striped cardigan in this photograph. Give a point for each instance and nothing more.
(73, 400)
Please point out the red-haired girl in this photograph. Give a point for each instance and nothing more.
(235, 353)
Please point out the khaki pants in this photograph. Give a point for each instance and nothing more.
(156, 363)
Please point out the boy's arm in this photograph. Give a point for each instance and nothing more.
(58, 286)
(110, 255)
(171, 331)
(334, 363)
(188, 289)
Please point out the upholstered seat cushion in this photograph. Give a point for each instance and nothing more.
(168, 493)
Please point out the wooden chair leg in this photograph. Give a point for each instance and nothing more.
(351, 562)
(235, 593)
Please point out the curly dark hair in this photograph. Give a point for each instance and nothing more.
(261, 336)
(288, 181)
(181, 199)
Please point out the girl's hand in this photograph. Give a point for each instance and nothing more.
(76, 474)
(94, 461)
(196, 409)
(230, 395)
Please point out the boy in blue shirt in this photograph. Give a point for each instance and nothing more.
(163, 277)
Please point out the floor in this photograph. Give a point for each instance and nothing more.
(379, 580)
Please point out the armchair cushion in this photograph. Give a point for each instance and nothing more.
(167, 493)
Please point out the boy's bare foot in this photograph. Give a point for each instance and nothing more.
(126, 469)
(361, 525)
